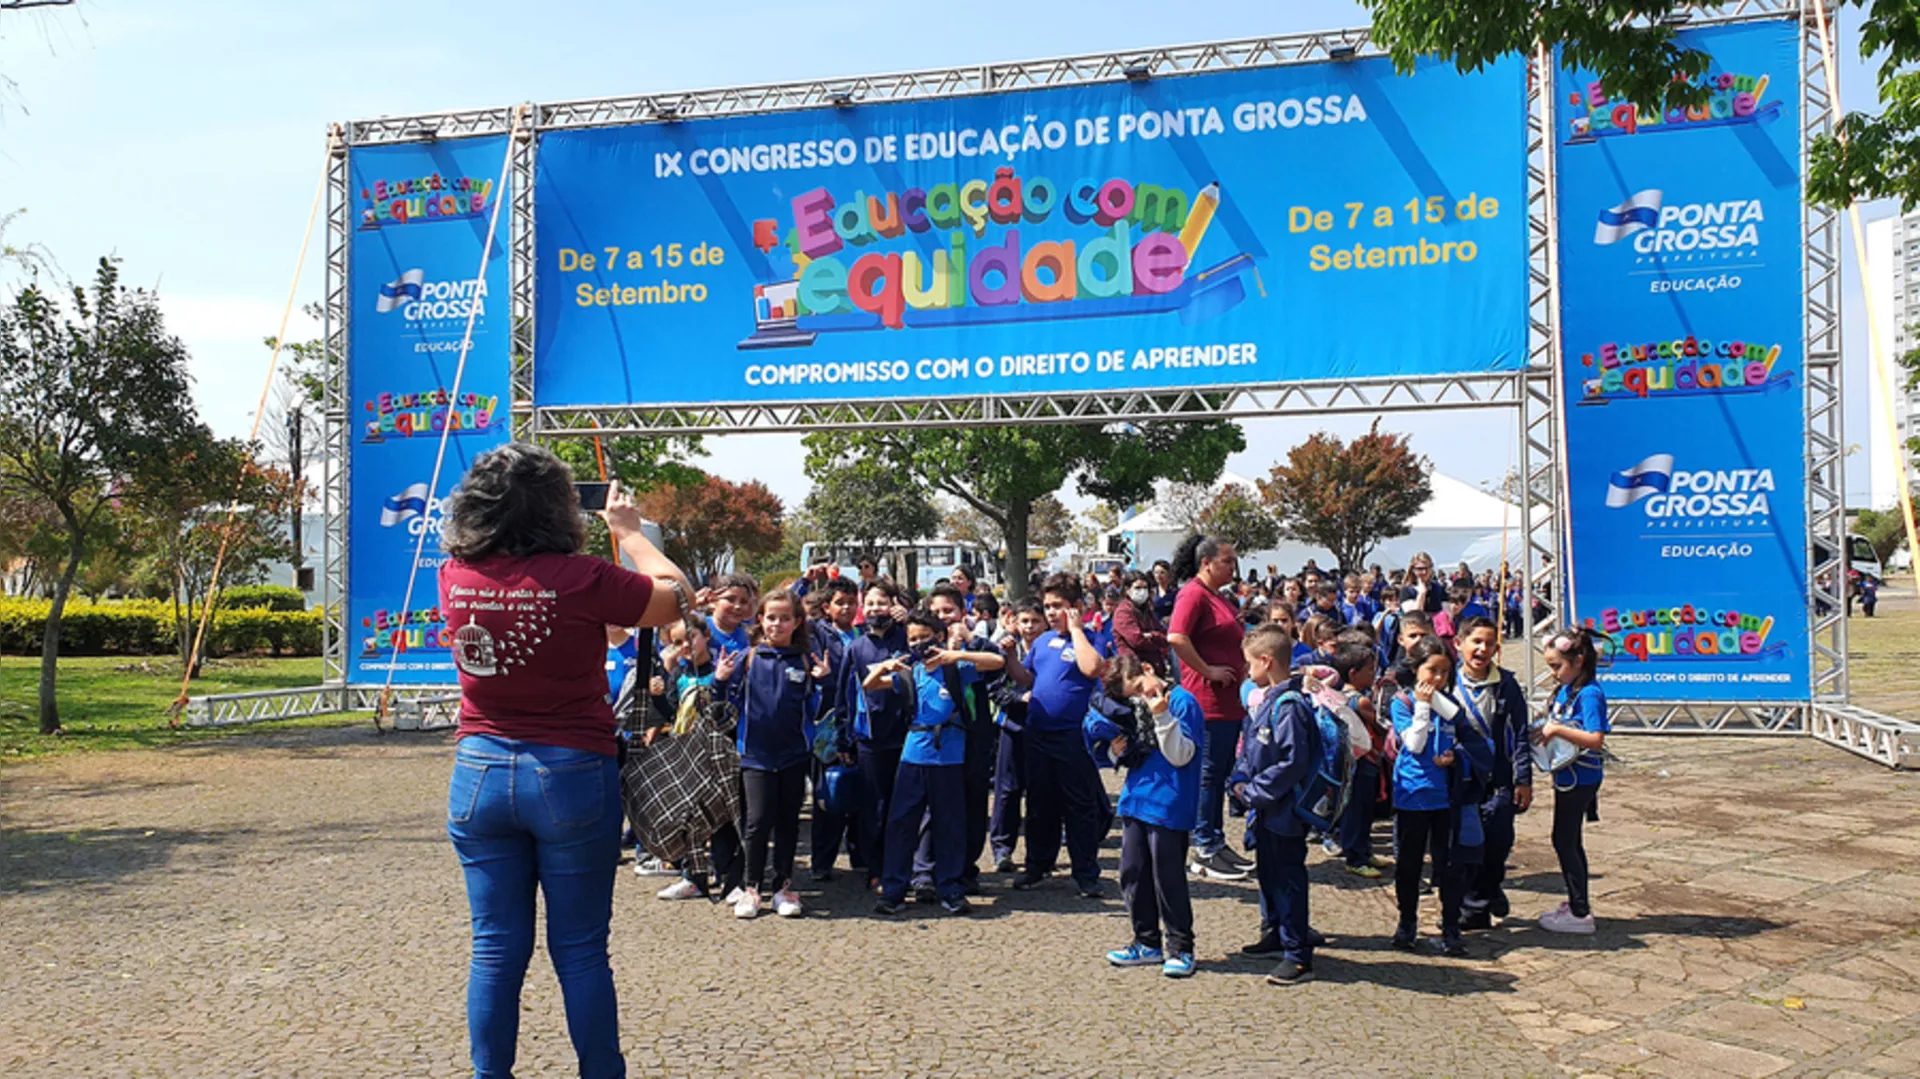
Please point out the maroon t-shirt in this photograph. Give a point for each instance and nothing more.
(1213, 625)
(530, 643)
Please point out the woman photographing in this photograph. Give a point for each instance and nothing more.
(535, 795)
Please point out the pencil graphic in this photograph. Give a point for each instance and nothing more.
(1759, 88)
(1204, 204)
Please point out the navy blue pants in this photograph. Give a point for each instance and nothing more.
(1153, 884)
(1486, 891)
(1216, 762)
(1280, 864)
(982, 742)
(1064, 785)
(877, 765)
(936, 794)
(830, 829)
(1009, 785)
(1356, 824)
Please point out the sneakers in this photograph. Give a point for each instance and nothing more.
(1235, 858)
(1027, 882)
(1091, 891)
(1332, 848)
(786, 904)
(1453, 948)
(1005, 865)
(1219, 865)
(650, 866)
(1406, 939)
(1380, 861)
(680, 889)
(1177, 965)
(957, 905)
(1471, 920)
(1290, 973)
(1367, 871)
(1563, 921)
(1136, 955)
(925, 895)
(746, 903)
(890, 907)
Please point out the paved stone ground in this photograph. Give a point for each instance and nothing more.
(288, 905)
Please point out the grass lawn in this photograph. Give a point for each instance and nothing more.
(1883, 653)
(118, 702)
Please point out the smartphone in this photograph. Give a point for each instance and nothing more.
(593, 496)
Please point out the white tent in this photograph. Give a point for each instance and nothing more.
(1459, 523)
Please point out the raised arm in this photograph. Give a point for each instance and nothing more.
(672, 592)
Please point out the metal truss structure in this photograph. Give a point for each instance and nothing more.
(1531, 395)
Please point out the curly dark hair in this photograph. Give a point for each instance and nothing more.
(516, 500)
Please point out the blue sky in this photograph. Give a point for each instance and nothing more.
(186, 138)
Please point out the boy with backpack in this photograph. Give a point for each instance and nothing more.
(1276, 757)
(930, 780)
(1492, 700)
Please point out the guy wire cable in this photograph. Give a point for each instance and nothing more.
(446, 429)
(1875, 347)
(259, 413)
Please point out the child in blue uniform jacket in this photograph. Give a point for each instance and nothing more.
(1439, 778)
(1276, 756)
(773, 688)
(930, 782)
(1159, 805)
(1579, 715)
(878, 714)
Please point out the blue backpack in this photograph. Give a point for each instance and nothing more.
(1321, 798)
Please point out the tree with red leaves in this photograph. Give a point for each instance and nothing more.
(709, 522)
(1347, 497)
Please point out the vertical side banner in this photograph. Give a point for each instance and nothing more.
(420, 216)
(1683, 341)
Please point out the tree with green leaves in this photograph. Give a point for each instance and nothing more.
(184, 509)
(1000, 472)
(89, 389)
(1239, 515)
(1634, 47)
(1348, 496)
(865, 504)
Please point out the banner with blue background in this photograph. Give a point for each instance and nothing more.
(1317, 221)
(1681, 316)
(419, 222)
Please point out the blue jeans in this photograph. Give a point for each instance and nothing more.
(1216, 763)
(522, 815)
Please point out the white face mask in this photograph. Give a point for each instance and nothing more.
(1140, 595)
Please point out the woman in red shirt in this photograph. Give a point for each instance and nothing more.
(1206, 634)
(535, 795)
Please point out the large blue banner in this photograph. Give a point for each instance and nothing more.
(420, 217)
(1305, 222)
(1680, 260)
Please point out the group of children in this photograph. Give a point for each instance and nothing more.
(929, 713)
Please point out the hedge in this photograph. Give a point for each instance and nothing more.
(145, 628)
(272, 597)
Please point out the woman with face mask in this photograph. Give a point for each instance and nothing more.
(1137, 629)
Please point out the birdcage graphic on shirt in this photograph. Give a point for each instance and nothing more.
(473, 650)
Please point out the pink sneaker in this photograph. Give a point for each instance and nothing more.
(1563, 921)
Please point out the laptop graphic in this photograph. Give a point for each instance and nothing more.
(776, 315)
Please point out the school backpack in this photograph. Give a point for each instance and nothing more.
(1322, 796)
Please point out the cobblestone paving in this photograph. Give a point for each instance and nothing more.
(288, 905)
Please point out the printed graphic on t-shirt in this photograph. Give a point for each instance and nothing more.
(482, 653)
